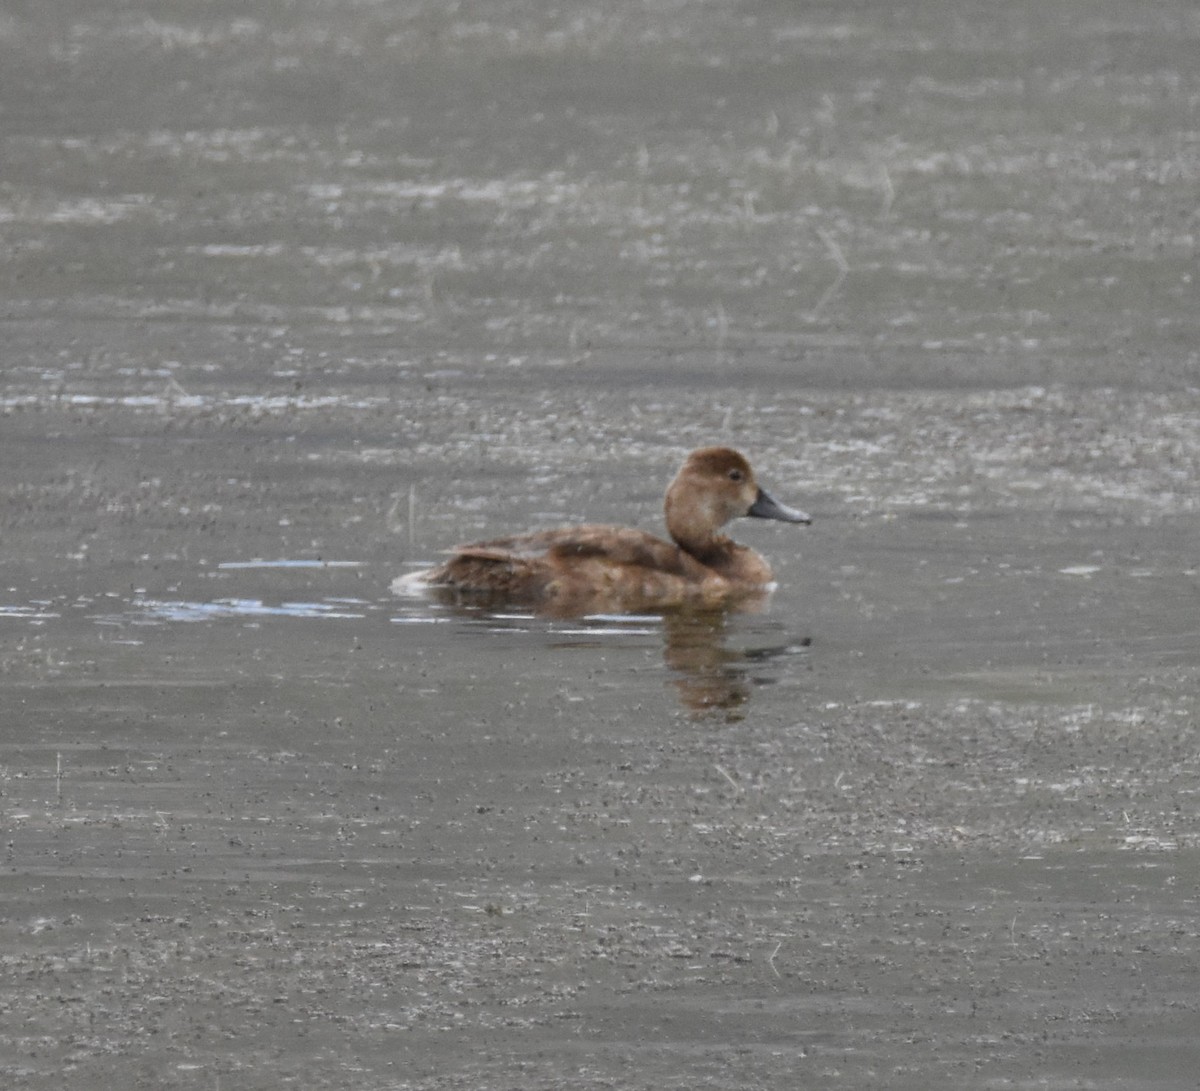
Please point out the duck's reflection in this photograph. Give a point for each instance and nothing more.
(711, 675)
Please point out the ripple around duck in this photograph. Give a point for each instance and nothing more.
(288, 562)
(155, 611)
(27, 613)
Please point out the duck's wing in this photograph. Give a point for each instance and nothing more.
(596, 553)
(507, 568)
(621, 547)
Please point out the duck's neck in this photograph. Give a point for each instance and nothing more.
(726, 558)
(695, 531)
(693, 523)
(709, 549)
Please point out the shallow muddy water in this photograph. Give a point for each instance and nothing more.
(296, 296)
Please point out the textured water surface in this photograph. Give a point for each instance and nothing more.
(296, 296)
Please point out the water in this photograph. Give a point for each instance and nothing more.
(296, 299)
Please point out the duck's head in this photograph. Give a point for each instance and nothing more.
(715, 485)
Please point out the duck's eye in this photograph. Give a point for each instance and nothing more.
(736, 475)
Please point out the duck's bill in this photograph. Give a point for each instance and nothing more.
(767, 507)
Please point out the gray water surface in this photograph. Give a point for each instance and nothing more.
(297, 295)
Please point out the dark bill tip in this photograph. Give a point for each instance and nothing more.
(766, 507)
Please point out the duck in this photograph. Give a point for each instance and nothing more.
(598, 568)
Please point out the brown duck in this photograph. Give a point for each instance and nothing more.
(612, 569)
